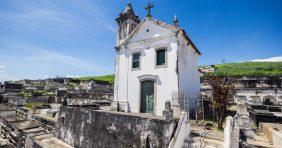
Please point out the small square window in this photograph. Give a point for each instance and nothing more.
(136, 60)
(161, 57)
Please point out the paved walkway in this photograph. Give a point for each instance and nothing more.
(260, 140)
(203, 136)
(4, 143)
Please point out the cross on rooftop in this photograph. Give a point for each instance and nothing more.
(148, 8)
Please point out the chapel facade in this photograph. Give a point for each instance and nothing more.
(154, 60)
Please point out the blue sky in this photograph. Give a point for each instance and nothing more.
(46, 38)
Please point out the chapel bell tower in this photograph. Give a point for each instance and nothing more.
(126, 21)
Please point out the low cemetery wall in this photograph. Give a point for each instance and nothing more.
(84, 127)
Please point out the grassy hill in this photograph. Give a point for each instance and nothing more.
(109, 78)
(256, 69)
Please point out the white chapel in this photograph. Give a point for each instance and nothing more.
(154, 60)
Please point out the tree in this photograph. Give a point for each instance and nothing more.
(222, 91)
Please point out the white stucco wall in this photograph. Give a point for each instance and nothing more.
(189, 78)
(127, 82)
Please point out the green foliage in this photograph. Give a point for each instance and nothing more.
(256, 69)
(33, 104)
(220, 129)
(109, 78)
(24, 94)
(70, 85)
(268, 69)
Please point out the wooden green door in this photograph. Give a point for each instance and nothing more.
(147, 97)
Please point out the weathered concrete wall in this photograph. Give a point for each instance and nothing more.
(81, 127)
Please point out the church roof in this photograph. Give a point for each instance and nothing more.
(165, 25)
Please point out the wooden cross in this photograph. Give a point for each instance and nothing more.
(148, 8)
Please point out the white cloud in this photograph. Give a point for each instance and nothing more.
(50, 57)
(2, 68)
(6, 77)
(35, 62)
(55, 15)
(53, 23)
(272, 59)
(72, 76)
(56, 22)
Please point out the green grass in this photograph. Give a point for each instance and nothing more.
(33, 104)
(108, 78)
(256, 69)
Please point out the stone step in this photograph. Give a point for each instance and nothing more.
(198, 145)
(260, 140)
(260, 144)
(198, 122)
(208, 134)
(201, 142)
